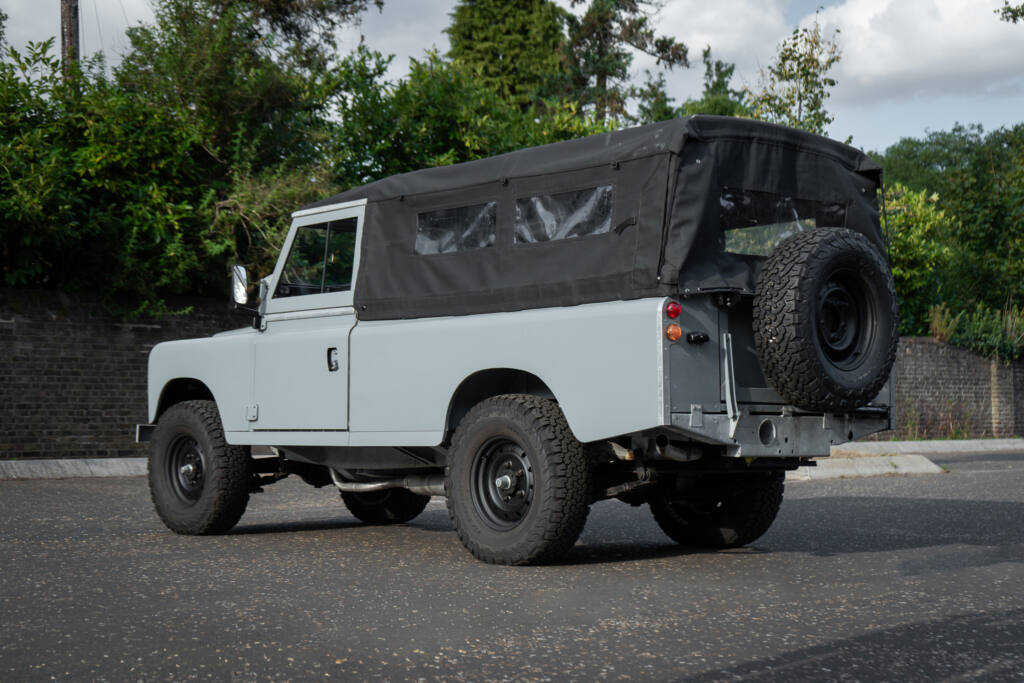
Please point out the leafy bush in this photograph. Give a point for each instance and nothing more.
(192, 155)
(992, 333)
(919, 234)
(979, 181)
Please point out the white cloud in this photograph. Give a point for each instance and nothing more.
(907, 65)
(898, 49)
(742, 32)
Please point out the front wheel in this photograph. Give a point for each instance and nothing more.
(518, 481)
(721, 511)
(198, 482)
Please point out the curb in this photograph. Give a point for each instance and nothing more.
(870, 466)
(934, 447)
(69, 469)
(134, 467)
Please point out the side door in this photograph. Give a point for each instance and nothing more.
(300, 380)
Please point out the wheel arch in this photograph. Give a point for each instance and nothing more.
(181, 389)
(485, 384)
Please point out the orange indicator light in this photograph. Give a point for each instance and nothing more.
(673, 332)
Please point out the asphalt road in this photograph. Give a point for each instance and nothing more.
(889, 578)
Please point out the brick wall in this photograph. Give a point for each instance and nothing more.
(1018, 394)
(73, 379)
(942, 391)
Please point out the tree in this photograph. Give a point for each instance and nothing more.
(148, 184)
(513, 45)
(718, 97)
(979, 182)
(919, 233)
(653, 102)
(932, 162)
(793, 89)
(1011, 13)
(441, 113)
(599, 52)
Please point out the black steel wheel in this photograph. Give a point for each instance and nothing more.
(517, 480)
(185, 467)
(198, 482)
(390, 506)
(825, 320)
(502, 483)
(845, 315)
(720, 511)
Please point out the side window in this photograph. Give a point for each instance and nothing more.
(320, 259)
(549, 217)
(753, 222)
(457, 229)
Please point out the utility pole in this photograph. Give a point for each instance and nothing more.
(69, 49)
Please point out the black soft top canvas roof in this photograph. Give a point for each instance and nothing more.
(668, 180)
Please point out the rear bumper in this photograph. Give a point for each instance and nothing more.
(779, 434)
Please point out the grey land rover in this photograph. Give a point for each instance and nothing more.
(672, 315)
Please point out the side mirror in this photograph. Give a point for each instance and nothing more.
(240, 294)
(239, 285)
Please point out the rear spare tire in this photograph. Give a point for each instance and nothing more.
(825, 320)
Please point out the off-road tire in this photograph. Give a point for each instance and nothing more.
(545, 462)
(390, 506)
(825, 320)
(721, 512)
(210, 497)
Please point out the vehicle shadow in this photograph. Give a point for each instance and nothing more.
(823, 527)
(294, 526)
(836, 526)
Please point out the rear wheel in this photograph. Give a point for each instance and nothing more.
(198, 482)
(390, 506)
(518, 481)
(720, 511)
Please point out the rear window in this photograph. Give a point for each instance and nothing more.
(753, 222)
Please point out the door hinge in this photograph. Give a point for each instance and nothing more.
(252, 412)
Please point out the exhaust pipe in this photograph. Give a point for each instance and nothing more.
(421, 484)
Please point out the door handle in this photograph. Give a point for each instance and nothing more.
(332, 359)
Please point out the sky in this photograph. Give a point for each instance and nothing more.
(908, 66)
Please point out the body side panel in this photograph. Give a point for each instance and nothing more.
(224, 363)
(603, 363)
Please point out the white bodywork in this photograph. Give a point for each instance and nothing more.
(394, 381)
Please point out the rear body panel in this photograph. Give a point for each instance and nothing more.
(701, 379)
